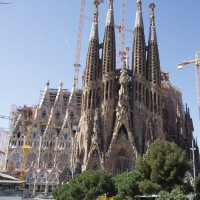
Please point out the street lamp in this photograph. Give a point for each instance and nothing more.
(74, 129)
(193, 149)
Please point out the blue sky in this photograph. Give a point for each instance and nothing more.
(38, 43)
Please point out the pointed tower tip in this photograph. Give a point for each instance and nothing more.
(152, 37)
(94, 30)
(96, 13)
(61, 83)
(138, 19)
(111, 4)
(139, 2)
(110, 14)
(47, 84)
(152, 6)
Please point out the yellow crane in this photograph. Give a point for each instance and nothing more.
(196, 61)
(26, 146)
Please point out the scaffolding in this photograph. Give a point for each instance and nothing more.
(4, 137)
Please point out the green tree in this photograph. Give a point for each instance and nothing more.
(163, 165)
(86, 186)
(197, 183)
(127, 184)
(176, 194)
(149, 187)
(163, 195)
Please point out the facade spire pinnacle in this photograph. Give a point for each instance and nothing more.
(94, 30)
(153, 60)
(61, 83)
(152, 37)
(111, 4)
(152, 6)
(110, 14)
(96, 12)
(139, 45)
(47, 84)
(138, 19)
(139, 4)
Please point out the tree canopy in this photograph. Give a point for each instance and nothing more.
(175, 194)
(86, 186)
(163, 167)
(197, 183)
(127, 184)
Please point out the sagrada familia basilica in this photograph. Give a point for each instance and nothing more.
(124, 110)
(119, 112)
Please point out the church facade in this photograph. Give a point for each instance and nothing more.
(124, 110)
(41, 146)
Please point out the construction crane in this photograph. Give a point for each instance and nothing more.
(6, 117)
(121, 48)
(26, 147)
(77, 64)
(197, 63)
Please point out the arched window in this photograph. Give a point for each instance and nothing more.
(122, 163)
(44, 113)
(95, 154)
(95, 166)
(122, 133)
(57, 115)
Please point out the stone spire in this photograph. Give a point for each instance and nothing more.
(139, 46)
(108, 78)
(110, 14)
(138, 18)
(153, 60)
(152, 32)
(94, 30)
(109, 49)
(93, 50)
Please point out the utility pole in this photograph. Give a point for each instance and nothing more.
(193, 149)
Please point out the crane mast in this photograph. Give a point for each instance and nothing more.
(77, 64)
(121, 28)
(123, 52)
(27, 112)
(197, 64)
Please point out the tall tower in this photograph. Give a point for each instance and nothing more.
(91, 95)
(153, 60)
(108, 78)
(154, 79)
(139, 80)
(139, 46)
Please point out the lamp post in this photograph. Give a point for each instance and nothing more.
(74, 128)
(193, 149)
